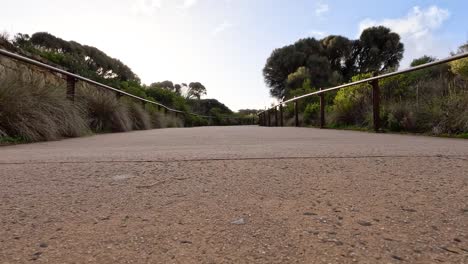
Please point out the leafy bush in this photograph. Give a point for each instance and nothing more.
(36, 112)
(311, 113)
(352, 104)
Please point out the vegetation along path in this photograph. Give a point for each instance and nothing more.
(235, 195)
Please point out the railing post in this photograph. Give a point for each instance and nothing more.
(322, 110)
(268, 118)
(376, 103)
(71, 81)
(296, 114)
(281, 114)
(276, 116)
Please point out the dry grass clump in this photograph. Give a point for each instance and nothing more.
(138, 116)
(105, 112)
(35, 112)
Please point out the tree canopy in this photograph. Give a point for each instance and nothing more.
(195, 90)
(85, 60)
(333, 59)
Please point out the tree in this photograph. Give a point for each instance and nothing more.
(304, 53)
(195, 90)
(178, 89)
(279, 65)
(204, 106)
(81, 59)
(168, 85)
(379, 50)
(332, 60)
(297, 79)
(423, 60)
(339, 51)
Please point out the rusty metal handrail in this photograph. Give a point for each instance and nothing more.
(386, 75)
(79, 77)
(264, 116)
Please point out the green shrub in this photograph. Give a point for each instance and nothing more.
(311, 114)
(400, 117)
(36, 112)
(450, 114)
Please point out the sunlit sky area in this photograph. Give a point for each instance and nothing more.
(224, 43)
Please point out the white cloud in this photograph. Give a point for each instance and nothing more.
(147, 7)
(221, 28)
(316, 33)
(417, 31)
(321, 8)
(189, 3)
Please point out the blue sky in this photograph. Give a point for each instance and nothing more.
(224, 43)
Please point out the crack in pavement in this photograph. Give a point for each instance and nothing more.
(462, 157)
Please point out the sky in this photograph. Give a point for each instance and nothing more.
(224, 44)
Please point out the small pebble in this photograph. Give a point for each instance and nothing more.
(364, 223)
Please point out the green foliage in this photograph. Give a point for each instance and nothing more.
(195, 90)
(6, 140)
(379, 50)
(350, 104)
(460, 67)
(423, 60)
(81, 59)
(332, 60)
(311, 113)
(203, 106)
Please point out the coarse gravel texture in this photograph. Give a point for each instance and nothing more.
(235, 195)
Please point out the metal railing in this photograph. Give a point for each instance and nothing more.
(264, 117)
(71, 79)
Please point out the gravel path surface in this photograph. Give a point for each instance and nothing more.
(235, 195)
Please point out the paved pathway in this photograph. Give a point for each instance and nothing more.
(235, 195)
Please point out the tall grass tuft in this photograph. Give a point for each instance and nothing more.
(37, 112)
(105, 112)
(139, 117)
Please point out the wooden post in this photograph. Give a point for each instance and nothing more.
(322, 110)
(376, 103)
(71, 81)
(268, 118)
(281, 114)
(276, 116)
(296, 114)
